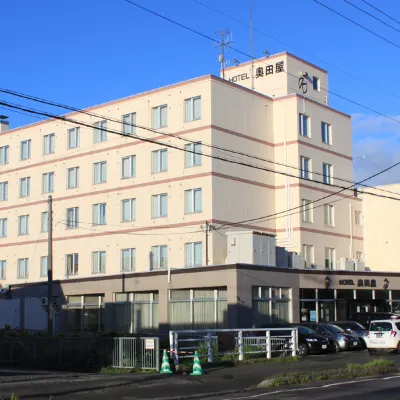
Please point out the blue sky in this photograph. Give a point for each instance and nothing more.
(87, 52)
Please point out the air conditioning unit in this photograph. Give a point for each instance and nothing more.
(360, 265)
(43, 301)
(345, 264)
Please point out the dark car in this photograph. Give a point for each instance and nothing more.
(310, 342)
(338, 338)
(365, 318)
(355, 328)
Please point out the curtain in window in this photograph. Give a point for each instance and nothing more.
(156, 163)
(280, 311)
(123, 317)
(163, 257)
(261, 315)
(188, 254)
(222, 314)
(45, 221)
(43, 266)
(103, 172)
(203, 314)
(132, 166)
(126, 210)
(142, 318)
(179, 315)
(154, 206)
(164, 205)
(197, 108)
(164, 117)
(188, 110)
(91, 318)
(95, 261)
(198, 253)
(102, 261)
(188, 155)
(188, 201)
(197, 157)
(156, 117)
(102, 213)
(198, 200)
(164, 160)
(126, 260)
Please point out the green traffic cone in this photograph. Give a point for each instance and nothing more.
(196, 365)
(165, 367)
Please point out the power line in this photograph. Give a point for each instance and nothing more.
(377, 9)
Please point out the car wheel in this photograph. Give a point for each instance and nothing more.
(335, 347)
(303, 349)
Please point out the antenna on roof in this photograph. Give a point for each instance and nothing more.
(226, 39)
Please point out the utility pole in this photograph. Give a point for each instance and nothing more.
(50, 267)
(225, 41)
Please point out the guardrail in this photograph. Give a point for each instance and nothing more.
(211, 343)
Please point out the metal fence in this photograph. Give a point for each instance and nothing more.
(131, 352)
(233, 342)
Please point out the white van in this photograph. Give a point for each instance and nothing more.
(384, 335)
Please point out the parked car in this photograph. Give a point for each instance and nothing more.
(310, 342)
(355, 328)
(338, 339)
(384, 335)
(365, 318)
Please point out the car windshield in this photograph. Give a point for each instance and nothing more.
(334, 329)
(305, 331)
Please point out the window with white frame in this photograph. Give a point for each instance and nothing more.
(359, 256)
(100, 172)
(24, 187)
(3, 191)
(271, 305)
(160, 116)
(315, 83)
(74, 138)
(192, 155)
(329, 258)
(23, 265)
(327, 173)
(49, 143)
(305, 167)
(128, 167)
(128, 260)
(100, 131)
(3, 227)
(99, 214)
(304, 128)
(128, 210)
(48, 182)
(307, 210)
(159, 161)
(23, 225)
(25, 149)
(201, 308)
(44, 222)
(159, 205)
(194, 254)
(3, 267)
(43, 266)
(158, 257)
(4, 150)
(193, 109)
(193, 201)
(72, 218)
(329, 214)
(326, 133)
(308, 254)
(129, 124)
(72, 264)
(73, 178)
(358, 217)
(98, 262)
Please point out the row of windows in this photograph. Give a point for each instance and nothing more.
(159, 208)
(305, 129)
(128, 122)
(158, 260)
(306, 168)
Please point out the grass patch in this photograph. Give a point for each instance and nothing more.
(273, 360)
(112, 370)
(376, 367)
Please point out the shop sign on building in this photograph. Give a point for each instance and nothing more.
(368, 283)
(260, 72)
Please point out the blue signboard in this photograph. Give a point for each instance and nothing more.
(313, 316)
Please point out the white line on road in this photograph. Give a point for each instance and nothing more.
(391, 377)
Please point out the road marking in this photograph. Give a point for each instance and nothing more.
(391, 377)
(346, 383)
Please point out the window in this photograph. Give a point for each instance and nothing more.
(329, 258)
(3, 227)
(192, 155)
(305, 165)
(85, 313)
(128, 124)
(307, 210)
(23, 225)
(159, 205)
(72, 218)
(23, 264)
(359, 256)
(326, 133)
(73, 138)
(72, 263)
(43, 266)
(193, 109)
(128, 208)
(128, 169)
(193, 201)
(329, 215)
(3, 191)
(160, 116)
(358, 217)
(100, 131)
(4, 150)
(304, 125)
(25, 149)
(45, 222)
(99, 214)
(49, 142)
(98, 262)
(159, 257)
(100, 172)
(73, 178)
(3, 265)
(308, 253)
(48, 182)
(128, 260)
(24, 187)
(159, 161)
(315, 83)
(327, 172)
(193, 254)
